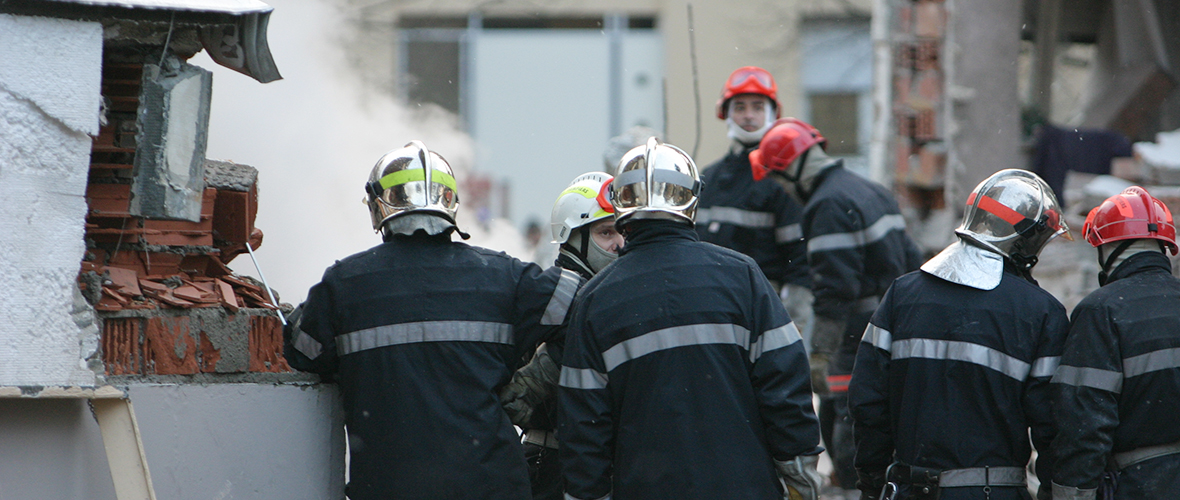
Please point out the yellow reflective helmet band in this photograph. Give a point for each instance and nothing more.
(582, 190)
(417, 175)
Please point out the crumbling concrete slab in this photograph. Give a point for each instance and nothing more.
(170, 157)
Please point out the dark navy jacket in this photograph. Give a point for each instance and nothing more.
(758, 219)
(1119, 381)
(951, 377)
(683, 376)
(420, 333)
(856, 242)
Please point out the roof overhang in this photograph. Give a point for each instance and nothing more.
(233, 32)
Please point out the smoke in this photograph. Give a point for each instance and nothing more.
(314, 136)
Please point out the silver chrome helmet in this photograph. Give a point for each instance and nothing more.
(656, 181)
(583, 202)
(1010, 215)
(1013, 213)
(411, 179)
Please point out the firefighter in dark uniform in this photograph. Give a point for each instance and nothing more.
(420, 333)
(684, 376)
(1118, 386)
(952, 376)
(856, 247)
(583, 224)
(758, 219)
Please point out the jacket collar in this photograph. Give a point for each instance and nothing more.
(646, 232)
(1140, 263)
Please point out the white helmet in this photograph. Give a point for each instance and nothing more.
(411, 179)
(583, 202)
(656, 181)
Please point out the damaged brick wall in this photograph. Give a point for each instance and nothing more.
(167, 302)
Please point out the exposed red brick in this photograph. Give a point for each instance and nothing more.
(929, 19)
(120, 346)
(109, 199)
(226, 294)
(163, 338)
(110, 293)
(209, 355)
(266, 345)
(233, 215)
(125, 279)
(189, 293)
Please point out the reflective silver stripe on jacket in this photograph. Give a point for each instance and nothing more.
(582, 378)
(1162, 359)
(968, 352)
(788, 233)
(856, 239)
(559, 304)
(307, 345)
(1045, 367)
(671, 338)
(1103, 380)
(981, 476)
(571, 497)
(777, 338)
(425, 331)
(878, 337)
(736, 216)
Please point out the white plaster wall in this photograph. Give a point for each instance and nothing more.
(213, 442)
(50, 73)
(242, 441)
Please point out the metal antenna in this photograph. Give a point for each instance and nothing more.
(696, 84)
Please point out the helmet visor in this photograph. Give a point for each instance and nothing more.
(741, 76)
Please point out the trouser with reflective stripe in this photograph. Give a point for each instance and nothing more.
(834, 419)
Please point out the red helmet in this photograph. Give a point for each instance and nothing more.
(1132, 214)
(782, 144)
(748, 80)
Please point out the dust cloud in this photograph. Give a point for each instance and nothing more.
(314, 136)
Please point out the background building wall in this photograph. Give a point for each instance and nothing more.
(49, 100)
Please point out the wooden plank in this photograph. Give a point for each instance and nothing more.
(124, 446)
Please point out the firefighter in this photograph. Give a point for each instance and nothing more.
(684, 376)
(952, 375)
(856, 246)
(420, 332)
(583, 225)
(758, 219)
(1118, 386)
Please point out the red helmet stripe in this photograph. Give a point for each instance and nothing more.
(997, 209)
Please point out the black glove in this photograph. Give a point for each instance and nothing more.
(531, 387)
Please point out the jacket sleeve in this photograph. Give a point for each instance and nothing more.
(789, 244)
(1087, 382)
(835, 252)
(309, 339)
(585, 424)
(1038, 393)
(781, 378)
(868, 400)
(543, 300)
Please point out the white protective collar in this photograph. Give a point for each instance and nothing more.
(967, 265)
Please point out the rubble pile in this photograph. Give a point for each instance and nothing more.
(169, 305)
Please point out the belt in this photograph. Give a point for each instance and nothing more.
(1129, 458)
(541, 438)
(954, 478)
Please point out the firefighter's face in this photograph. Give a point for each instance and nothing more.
(749, 111)
(604, 234)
